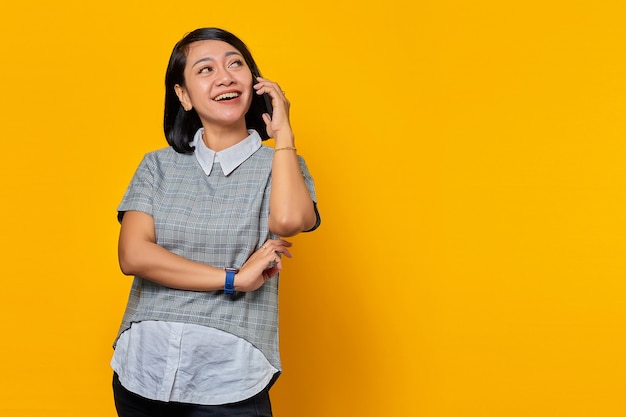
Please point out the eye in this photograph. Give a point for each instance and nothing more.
(236, 63)
(205, 70)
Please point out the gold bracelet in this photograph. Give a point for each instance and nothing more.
(286, 148)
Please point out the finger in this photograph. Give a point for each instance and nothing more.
(265, 81)
(284, 251)
(281, 242)
(260, 81)
(271, 272)
(277, 242)
(269, 87)
(274, 267)
(274, 262)
(277, 249)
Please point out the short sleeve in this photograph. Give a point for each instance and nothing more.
(310, 185)
(139, 195)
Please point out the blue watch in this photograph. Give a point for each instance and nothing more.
(229, 285)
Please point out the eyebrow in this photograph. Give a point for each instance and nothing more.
(210, 58)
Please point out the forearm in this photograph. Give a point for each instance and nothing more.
(291, 207)
(155, 263)
(140, 255)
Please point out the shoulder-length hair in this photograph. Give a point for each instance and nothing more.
(179, 125)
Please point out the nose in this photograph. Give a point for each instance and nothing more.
(224, 77)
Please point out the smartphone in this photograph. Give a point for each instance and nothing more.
(268, 104)
(266, 98)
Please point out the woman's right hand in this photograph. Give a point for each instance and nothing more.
(264, 264)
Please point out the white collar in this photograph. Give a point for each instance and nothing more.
(229, 158)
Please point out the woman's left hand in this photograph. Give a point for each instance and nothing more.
(264, 264)
(278, 123)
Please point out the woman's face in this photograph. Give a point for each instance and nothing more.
(218, 83)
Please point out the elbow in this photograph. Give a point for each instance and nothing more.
(287, 226)
(125, 268)
(127, 262)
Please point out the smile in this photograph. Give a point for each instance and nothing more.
(227, 96)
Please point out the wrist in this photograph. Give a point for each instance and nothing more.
(284, 139)
(285, 148)
(229, 280)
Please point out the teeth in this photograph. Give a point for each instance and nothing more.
(226, 96)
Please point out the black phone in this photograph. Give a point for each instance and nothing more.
(266, 98)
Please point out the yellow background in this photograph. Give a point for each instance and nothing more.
(469, 158)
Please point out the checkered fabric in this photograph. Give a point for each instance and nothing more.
(218, 220)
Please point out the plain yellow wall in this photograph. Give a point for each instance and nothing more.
(469, 158)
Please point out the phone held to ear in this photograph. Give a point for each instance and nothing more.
(266, 99)
(268, 104)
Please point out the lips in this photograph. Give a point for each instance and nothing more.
(227, 96)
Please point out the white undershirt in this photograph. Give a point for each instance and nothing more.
(189, 363)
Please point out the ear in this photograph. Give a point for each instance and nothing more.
(181, 92)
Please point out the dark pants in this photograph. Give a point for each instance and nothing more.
(129, 404)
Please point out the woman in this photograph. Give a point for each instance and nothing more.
(202, 223)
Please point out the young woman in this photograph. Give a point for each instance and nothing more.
(202, 228)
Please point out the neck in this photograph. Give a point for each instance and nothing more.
(220, 138)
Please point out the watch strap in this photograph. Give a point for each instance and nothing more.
(229, 284)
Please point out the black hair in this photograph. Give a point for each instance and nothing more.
(179, 125)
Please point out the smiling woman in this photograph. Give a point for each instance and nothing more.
(218, 86)
(202, 223)
(179, 125)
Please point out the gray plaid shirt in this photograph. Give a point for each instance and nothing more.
(219, 219)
